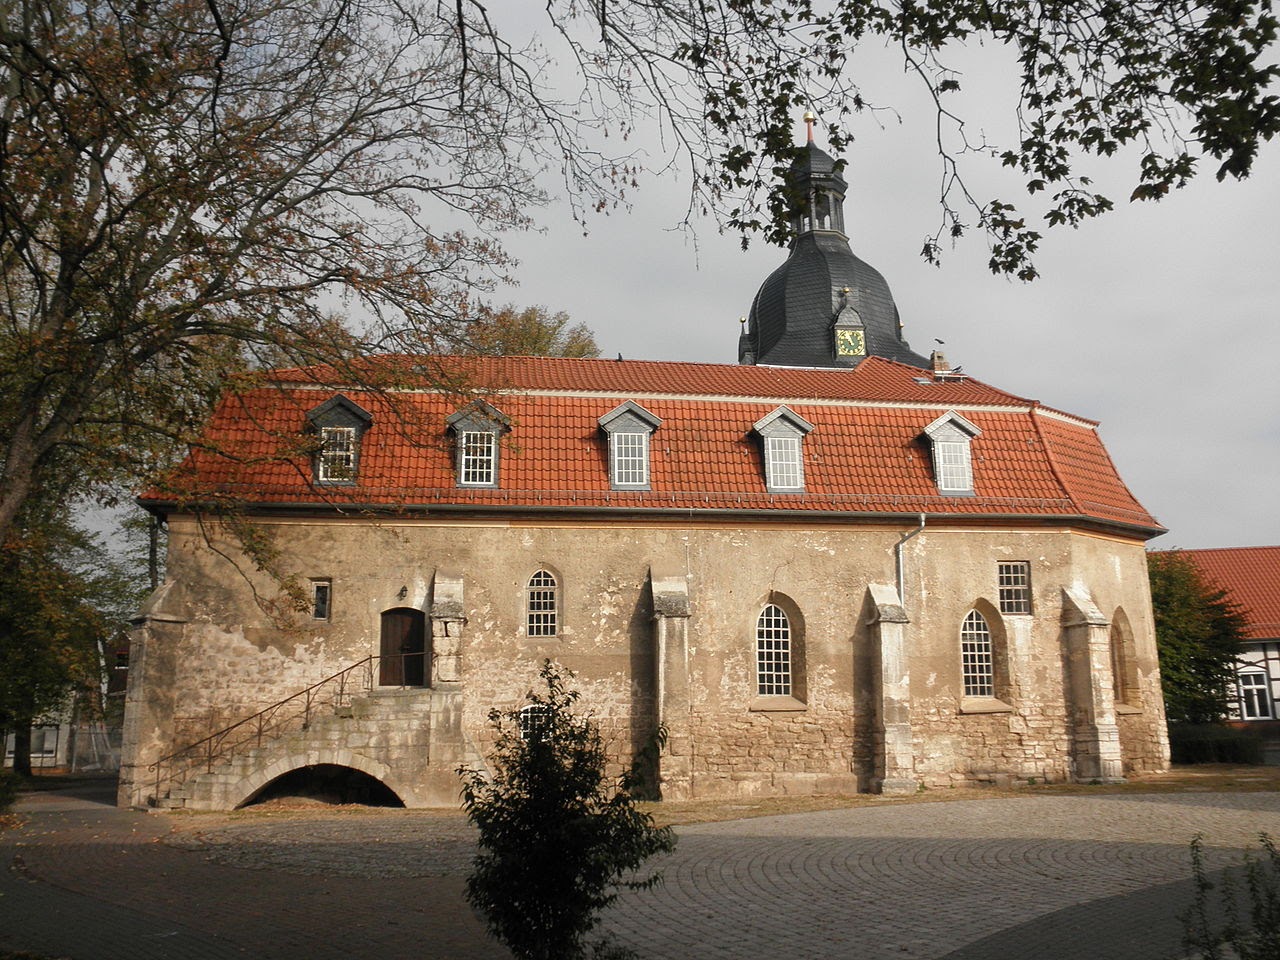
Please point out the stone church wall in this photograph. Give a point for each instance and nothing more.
(216, 645)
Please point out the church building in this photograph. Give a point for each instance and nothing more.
(835, 566)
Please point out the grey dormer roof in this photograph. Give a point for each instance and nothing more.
(951, 426)
(339, 411)
(479, 416)
(629, 417)
(783, 422)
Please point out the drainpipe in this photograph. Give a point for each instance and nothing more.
(897, 550)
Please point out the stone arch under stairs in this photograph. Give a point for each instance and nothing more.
(248, 787)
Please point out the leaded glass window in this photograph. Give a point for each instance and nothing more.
(976, 656)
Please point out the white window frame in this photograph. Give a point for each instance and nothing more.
(478, 458)
(954, 468)
(542, 605)
(977, 656)
(534, 721)
(629, 459)
(783, 463)
(336, 461)
(774, 653)
(321, 599)
(1013, 585)
(1257, 707)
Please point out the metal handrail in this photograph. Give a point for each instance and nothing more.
(218, 746)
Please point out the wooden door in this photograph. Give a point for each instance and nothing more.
(403, 652)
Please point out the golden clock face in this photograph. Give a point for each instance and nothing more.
(851, 343)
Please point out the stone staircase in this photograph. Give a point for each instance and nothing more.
(410, 739)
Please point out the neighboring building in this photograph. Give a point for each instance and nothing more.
(863, 571)
(1251, 578)
(83, 734)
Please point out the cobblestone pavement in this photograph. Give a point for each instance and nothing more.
(1035, 876)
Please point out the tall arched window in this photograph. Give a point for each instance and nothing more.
(773, 652)
(977, 660)
(541, 611)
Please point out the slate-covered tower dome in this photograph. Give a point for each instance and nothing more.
(824, 307)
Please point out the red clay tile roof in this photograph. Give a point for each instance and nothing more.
(865, 454)
(1251, 575)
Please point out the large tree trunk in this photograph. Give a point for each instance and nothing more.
(22, 749)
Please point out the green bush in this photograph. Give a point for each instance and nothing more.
(558, 838)
(1211, 743)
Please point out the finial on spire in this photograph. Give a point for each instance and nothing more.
(809, 118)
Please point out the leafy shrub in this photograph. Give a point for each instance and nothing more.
(1211, 743)
(1217, 931)
(557, 837)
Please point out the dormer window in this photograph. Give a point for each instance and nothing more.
(950, 436)
(340, 425)
(781, 435)
(479, 452)
(337, 460)
(478, 426)
(629, 427)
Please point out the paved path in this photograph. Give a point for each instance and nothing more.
(1044, 877)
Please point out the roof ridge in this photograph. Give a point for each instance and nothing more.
(1049, 455)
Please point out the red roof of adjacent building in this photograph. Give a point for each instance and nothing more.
(864, 455)
(1251, 576)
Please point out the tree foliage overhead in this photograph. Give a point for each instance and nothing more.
(1199, 635)
(192, 187)
(531, 332)
(188, 188)
(558, 838)
(1177, 80)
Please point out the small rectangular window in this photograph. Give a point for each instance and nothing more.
(122, 659)
(321, 590)
(784, 471)
(630, 453)
(1014, 583)
(951, 460)
(479, 467)
(337, 460)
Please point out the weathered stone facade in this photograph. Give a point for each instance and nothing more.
(658, 622)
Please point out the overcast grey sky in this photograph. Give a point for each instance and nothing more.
(1159, 320)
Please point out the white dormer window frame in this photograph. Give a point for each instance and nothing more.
(629, 428)
(340, 425)
(336, 462)
(478, 428)
(478, 450)
(782, 436)
(950, 438)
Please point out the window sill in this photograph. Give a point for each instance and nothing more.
(775, 704)
(979, 705)
(1126, 709)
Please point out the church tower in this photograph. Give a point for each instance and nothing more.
(824, 307)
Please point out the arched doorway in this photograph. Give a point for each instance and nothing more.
(403, 653)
